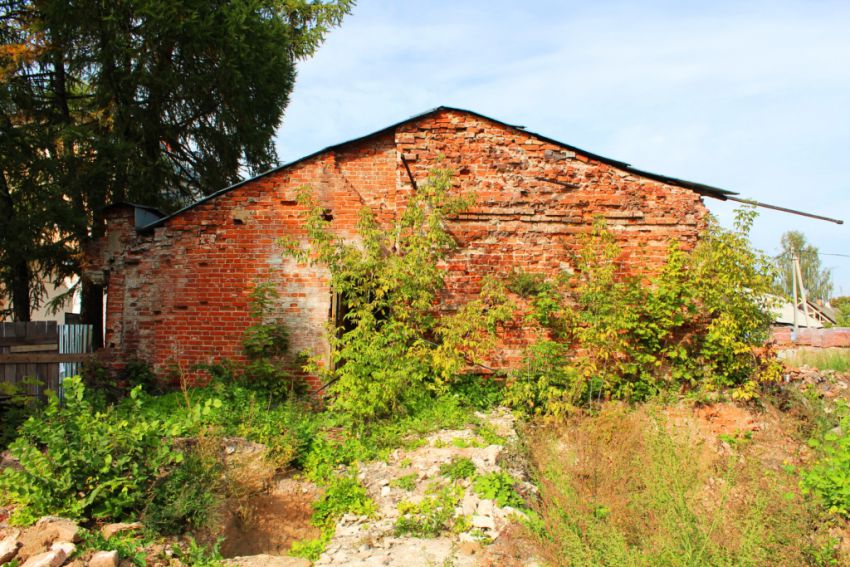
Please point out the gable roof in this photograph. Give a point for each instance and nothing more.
(700, 188)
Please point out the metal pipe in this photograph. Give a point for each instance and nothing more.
(782, 209)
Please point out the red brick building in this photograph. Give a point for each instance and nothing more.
(178, 285)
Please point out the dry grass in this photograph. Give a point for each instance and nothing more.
(837, 359)
(625, 487)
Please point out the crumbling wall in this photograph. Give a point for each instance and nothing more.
(178, 295)
(533, 201)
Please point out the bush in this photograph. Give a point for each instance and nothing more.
(182, 500)
(498, 486)
(392, 350)
(700, 323)
(458, 468)
(430, 516)
(15, 407)
(82, 462)
(829, 478)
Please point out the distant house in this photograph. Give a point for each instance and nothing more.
(178, 285)
(814, 314)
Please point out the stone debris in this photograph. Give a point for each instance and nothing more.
(267, 561)
(104, 559)
(110, 530)
(57, 555)
(366, 542)
(9, 547)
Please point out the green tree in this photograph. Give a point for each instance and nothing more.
(150, 101)
(816, 279)
(393, 347)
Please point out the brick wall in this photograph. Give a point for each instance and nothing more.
(179, 294)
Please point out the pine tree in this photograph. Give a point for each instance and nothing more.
(148, 101)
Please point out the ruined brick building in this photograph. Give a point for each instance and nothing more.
(178, 285)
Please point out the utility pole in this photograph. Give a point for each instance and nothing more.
(796, 332)
(802, 289)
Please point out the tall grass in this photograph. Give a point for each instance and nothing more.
(623, 489)
(837, 359)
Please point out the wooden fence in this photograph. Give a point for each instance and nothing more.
(44, 351)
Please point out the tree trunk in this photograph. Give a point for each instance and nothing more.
(20, 291)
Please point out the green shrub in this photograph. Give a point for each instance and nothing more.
(265, 344)
(80, 462)
(182, 500)
(700, 323)
(15, 407)
(498, 486)
(392, 351)
(432, 515)
(458, 468)
(829, 477)
(344, 495)
(406, 482)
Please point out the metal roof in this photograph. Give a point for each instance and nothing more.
(700, 188)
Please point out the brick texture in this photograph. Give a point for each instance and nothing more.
(179, 294)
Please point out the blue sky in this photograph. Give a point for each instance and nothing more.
(753, 97)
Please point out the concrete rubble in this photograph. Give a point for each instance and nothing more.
(362, 541)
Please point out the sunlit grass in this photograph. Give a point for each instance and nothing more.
(837, 359)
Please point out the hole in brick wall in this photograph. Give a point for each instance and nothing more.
(289, 203)
(181, 307)
(238, 221)
(327, 215)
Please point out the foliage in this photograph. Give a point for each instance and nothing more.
(816, 279)
(498, 486)
(128, 545)
(393, 348)
(138, 101)
(842, 306)
(345, 495)
(432, 515)
(458, 468)
(623, 487)
(15, 407)
(82, 462)
(311, 549)
(699, 323)
(406, 482)
(181, 500)
(829, 478)
(265, 344)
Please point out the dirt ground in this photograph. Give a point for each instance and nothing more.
(269, 523)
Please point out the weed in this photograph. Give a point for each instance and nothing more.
(406, 482)
(625, 488)
(463, 442)
(489, 435)
(829, 478)
(345, 495)
(498, 486)
(837, 359)
(431, 516)
(458, 468)
(311, 549)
